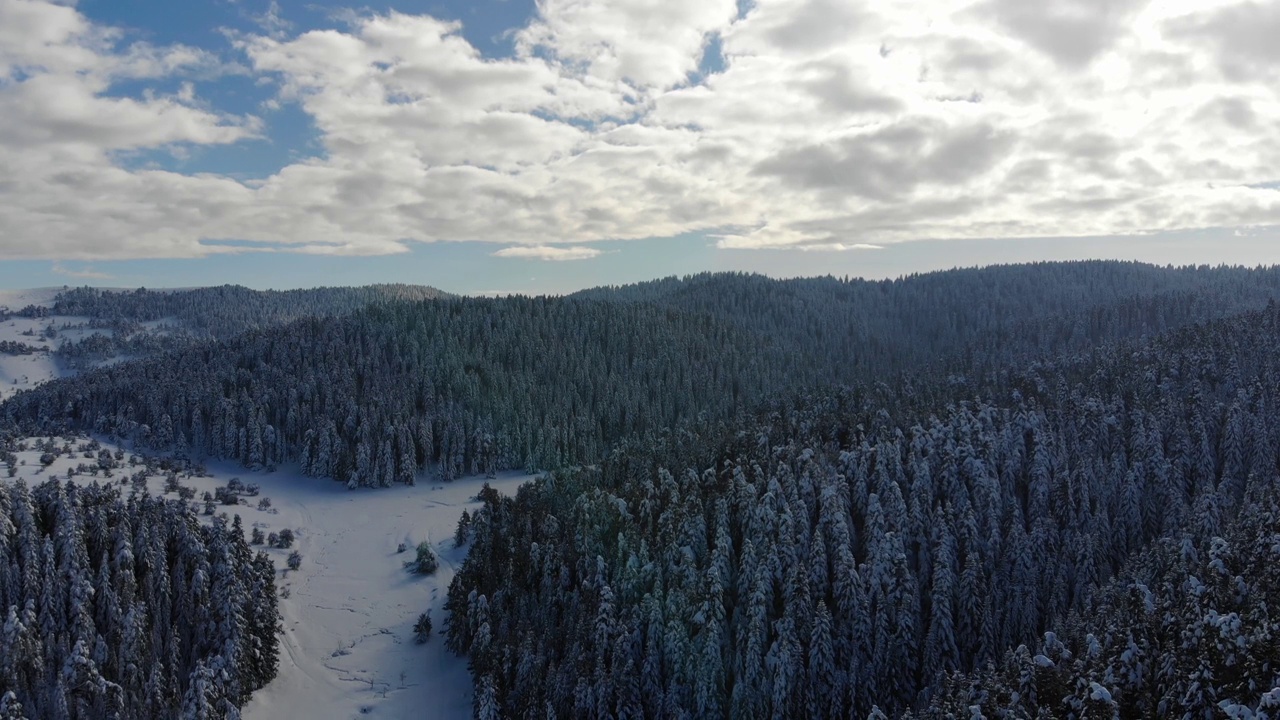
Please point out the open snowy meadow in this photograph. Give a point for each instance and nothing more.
(23, 371)
(348, 648)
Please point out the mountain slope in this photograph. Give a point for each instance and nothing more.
(965, 321)
(837, 555)
(474, 384)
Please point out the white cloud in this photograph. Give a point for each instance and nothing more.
(85, 272)
(833, 125)
(633, 46)
(771, 238)
(548, 252)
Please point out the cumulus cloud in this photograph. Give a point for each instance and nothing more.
(548, 252)
(824, 125)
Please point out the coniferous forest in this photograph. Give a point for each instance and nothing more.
(845, 555)
(128, 608)
(1025, 491)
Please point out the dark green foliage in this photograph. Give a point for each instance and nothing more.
(10, 347)
(1190, 631)
(467, 386)
(202, 314)
(127, 608)
(842, 553)
(425, 562)
(463, 386)
(463, 532)
(961, 322)
(422, 628)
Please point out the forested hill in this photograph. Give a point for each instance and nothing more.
(964, 320)
(471, 384)
(840, 557)
(225, 311)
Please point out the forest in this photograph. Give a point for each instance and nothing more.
(836, 558)
(473, 385)
(127, 607)
(1047, 490)
(145, 322)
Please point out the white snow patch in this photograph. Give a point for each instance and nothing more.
(21, 372)
(347, 650)
(15, 300)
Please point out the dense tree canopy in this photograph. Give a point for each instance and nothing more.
(144, 322)
(127, 608)
(470, 385)
(841, 555)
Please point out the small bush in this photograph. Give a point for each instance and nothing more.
(426, 562)
(226, 496)
(264, 504)
(256, 537)
(285, 539)
(295, 560)
(422, 628)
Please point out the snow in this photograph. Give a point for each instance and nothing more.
(1099, 693)
(21, 372)
(15, 300)
(347, 649)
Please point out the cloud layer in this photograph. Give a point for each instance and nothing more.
(827, 124)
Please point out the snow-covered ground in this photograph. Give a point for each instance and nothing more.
(347, 650)
(18, 372)
(17, 299)
(22, 372)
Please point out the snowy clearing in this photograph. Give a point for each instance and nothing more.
(25, 371)
(348, 612)
(40, 297)
(21, 372)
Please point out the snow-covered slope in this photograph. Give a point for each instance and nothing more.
(20, 372)
(18, 299)
(347, 650)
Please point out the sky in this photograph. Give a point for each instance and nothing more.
(491, 146)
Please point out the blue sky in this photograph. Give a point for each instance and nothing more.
(503, 146)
